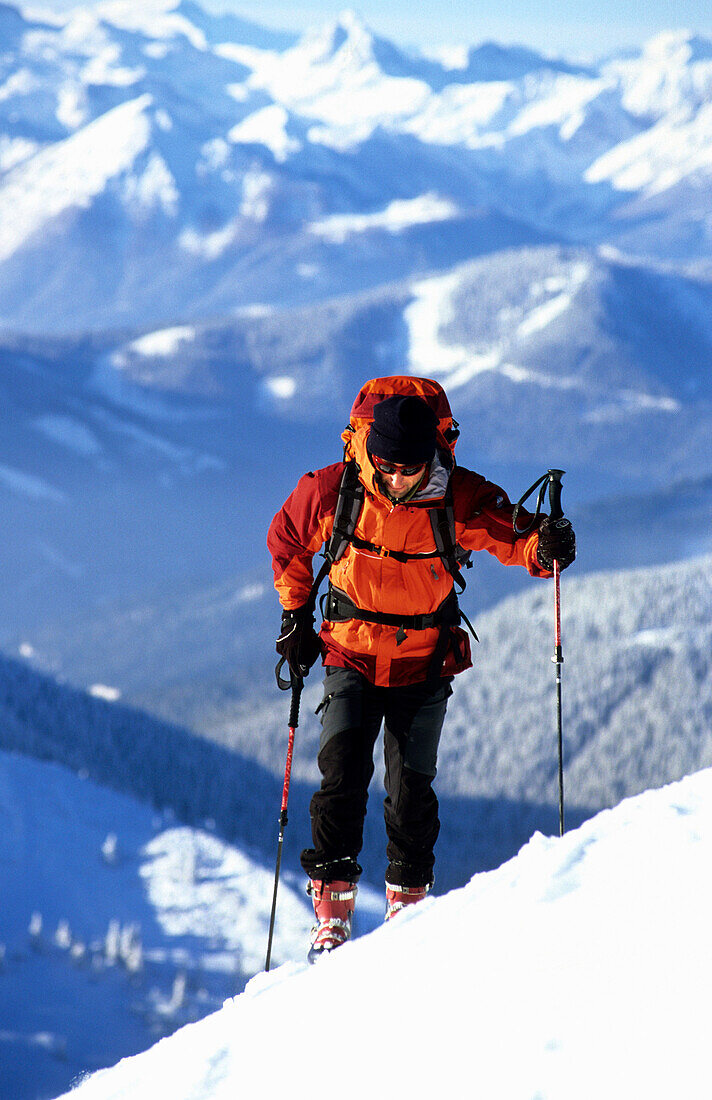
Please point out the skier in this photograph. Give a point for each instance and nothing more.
(397, 516)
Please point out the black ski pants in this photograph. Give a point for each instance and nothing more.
(352, 712)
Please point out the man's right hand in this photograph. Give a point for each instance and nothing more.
(298, 642)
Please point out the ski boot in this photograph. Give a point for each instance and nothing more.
(398, 897)
(334, 903)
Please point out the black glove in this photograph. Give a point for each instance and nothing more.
(557, 542)
(298, 641)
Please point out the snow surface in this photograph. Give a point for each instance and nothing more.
(430, 310)
(199, 909)
(333, 75)
(578, 969)
(435, 306)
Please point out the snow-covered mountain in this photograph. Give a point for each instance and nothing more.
(198, 153)
(141, 464)
(574, 970)
(249, 226)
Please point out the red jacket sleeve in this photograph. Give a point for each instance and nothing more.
(299, 530)
(483, 518)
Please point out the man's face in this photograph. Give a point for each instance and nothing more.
(398, 480)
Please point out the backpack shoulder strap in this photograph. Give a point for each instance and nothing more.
(453, 556)
(348, 508)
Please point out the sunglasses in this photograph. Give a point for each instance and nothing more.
(394, 468)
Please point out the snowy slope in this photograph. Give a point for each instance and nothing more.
(575, 970)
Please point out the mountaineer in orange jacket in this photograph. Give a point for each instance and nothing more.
(390, 640)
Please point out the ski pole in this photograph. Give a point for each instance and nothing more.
(296, 684)
(555, 512)
(553, 479)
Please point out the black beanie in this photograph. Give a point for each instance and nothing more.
(403, 430)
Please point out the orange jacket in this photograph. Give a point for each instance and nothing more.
(376, 582)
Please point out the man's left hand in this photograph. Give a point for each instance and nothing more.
(557, 542)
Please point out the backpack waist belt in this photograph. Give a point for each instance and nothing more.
(338, 608)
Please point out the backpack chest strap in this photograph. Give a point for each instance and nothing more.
(397, 555)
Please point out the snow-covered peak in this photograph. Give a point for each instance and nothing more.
(671, 75)
(84, 163)
(347, 36)
(680, 47)
(344, 76)
(667, 89)
(504, 127)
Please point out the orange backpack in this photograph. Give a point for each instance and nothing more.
(402, 385)
(351, 490)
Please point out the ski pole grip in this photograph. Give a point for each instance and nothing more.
(297, 685)
(555, 510)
